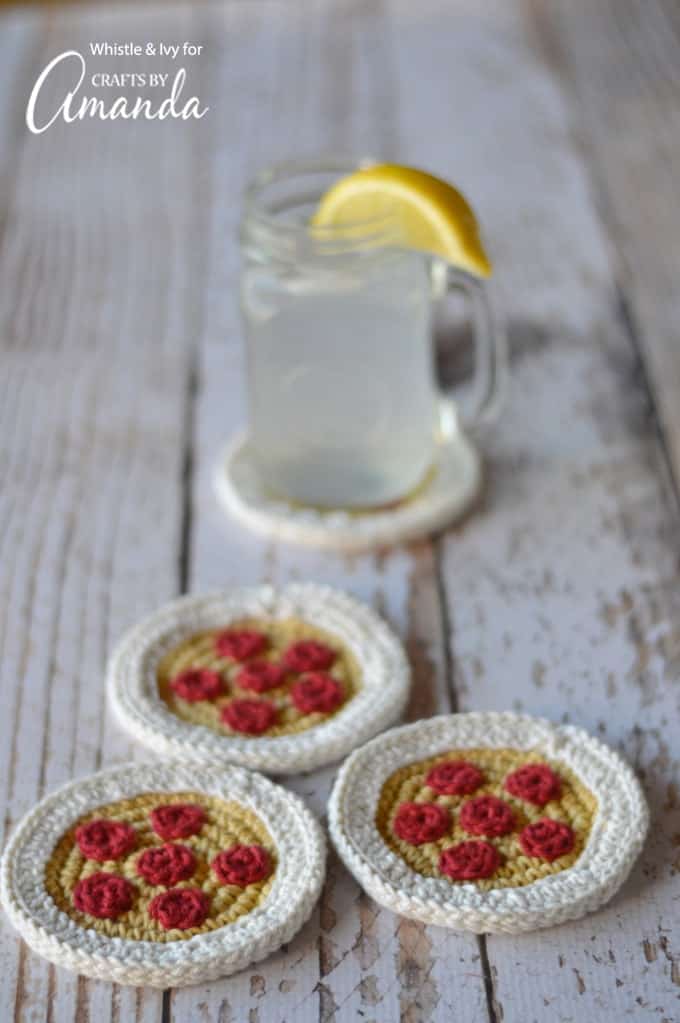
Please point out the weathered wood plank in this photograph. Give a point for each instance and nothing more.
(574, 620)
(94, 319)
(620, 60)
(352, 959)
(562, 593)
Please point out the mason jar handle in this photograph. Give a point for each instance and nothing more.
(490, 359)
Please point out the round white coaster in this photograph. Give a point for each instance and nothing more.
(615, 837)
(377, 700)
(297, 878)
(445, 497)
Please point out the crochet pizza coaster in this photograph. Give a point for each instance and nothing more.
(443, 497)
(488, 822)
(163, 875)
(280, 680)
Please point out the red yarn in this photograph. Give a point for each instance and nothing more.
(469, 861)
(536, 783)
(242, 865)
(308, 655)
(240, 644)
(454, 778)
(316, 692)
(104, 839)
(180, 908)
(259, 676)
(487, 815)
(197, 684)
(177, 820)
(421, 822)
(103, 895)
(547, 839)
(166, 864)
(252, 717)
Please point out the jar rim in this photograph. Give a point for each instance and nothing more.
(258, 213)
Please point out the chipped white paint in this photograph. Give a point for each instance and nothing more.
(351, 958)
(118, 261)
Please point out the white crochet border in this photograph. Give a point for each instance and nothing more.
(616, 838)
(446, 497)
(133, 689)
(301, 851)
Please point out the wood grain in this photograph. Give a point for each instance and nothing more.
(123, 374)
(353, 960)
(563, 593)
(94, 320)
(619, 61)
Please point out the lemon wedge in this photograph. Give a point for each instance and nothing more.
(434, 216)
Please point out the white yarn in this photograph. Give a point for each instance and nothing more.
(385, 678)
(244, 495)
(617, 835)
(301, 855)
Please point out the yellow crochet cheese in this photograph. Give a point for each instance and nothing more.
(227, 824)
(198, 651)
(576, 806)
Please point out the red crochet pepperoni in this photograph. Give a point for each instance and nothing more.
(308, 655)
(316, 692)
(421, 822)
(547, 839)
(197, 684)
(104, 839)
(260, 676)
(103, 895)
(240, 644)
(487, 815)
(252, 717)
(177, 820)
(454, 778)
(469, 861)
(536, 783)
(180, 908)
(166, 864)
(242, 865)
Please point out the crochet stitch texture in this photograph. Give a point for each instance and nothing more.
(133, 930)
(315, 716)
(558, 861)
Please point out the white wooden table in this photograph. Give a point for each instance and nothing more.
(122, 373)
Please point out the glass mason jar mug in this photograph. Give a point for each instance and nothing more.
(344, 411)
